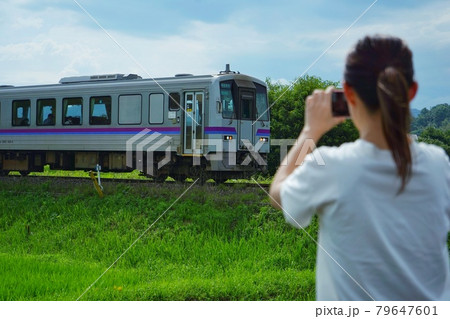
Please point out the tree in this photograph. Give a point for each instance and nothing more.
(438, 116)
(432, 135)
(433, 126)
(288, 110)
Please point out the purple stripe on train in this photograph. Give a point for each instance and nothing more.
(263, 132)
(91, 131)
(220, 130)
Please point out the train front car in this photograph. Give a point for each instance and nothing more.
(238, 130)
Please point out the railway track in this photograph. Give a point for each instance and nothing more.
(109, 180)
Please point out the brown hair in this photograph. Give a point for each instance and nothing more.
(381, 72)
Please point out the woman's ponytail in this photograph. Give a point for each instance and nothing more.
(393, 97)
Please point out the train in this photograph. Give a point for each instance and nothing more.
(198, 126)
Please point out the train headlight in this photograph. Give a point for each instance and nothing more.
(227, 137)
(264, 139)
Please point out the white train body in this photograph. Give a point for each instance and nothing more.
(214, 126)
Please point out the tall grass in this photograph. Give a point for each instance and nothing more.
(215, 243)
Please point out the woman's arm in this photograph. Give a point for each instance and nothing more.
(293, 159)
(318, 121)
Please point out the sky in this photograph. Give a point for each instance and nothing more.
(42, 41)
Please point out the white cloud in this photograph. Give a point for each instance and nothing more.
(41, 46)
(73, 49)
(25, 23)
(281, 81)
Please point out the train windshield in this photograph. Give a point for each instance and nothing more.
(248, 108)
(261, 103)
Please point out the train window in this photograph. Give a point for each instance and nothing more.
(130, 109)
(226, 96)
(156, 108)
(46, 112)
(21, 113)
(174, 101)
(73, 111)
(261, 103)
(100, 110)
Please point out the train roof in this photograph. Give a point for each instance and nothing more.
(92, 81)
(105, 79)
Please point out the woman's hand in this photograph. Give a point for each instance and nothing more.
(318, 121)
(318, 116)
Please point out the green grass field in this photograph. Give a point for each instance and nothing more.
(215, 243)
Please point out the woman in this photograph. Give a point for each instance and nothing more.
(383, 200)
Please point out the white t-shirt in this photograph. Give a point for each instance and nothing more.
(385, 246)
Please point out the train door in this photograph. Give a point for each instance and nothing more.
(246, 116)
(193, 122)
